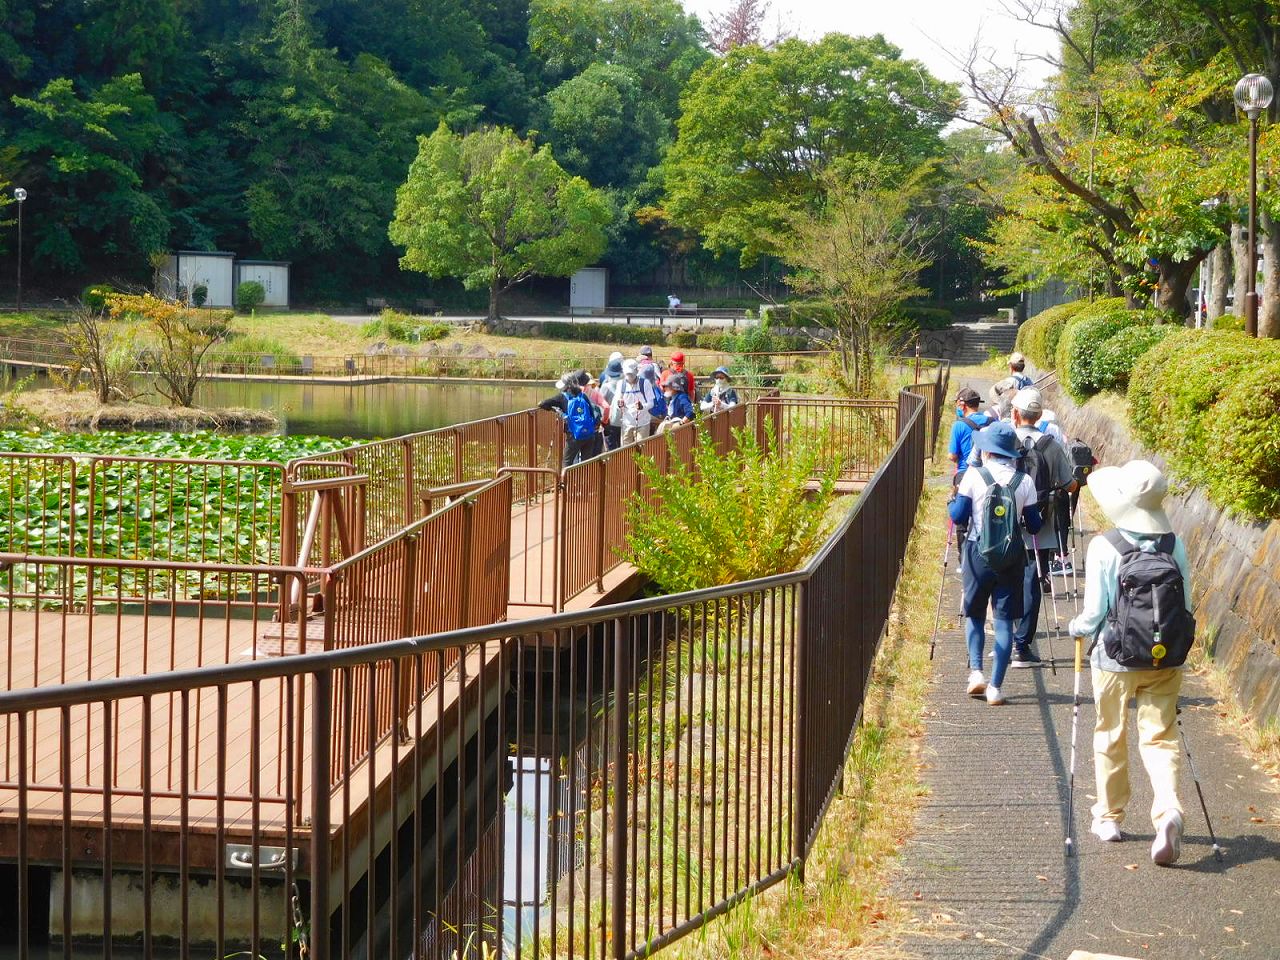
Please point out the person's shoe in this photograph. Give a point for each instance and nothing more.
(977, 683)
(1108, 831)
(994, 697)
(1167, 846)
(1060, 568)
(1024, 656)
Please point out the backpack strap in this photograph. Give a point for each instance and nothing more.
(972, 425)
(1117, 540)
(1041, 443)
(1166, 543)
(985, 474)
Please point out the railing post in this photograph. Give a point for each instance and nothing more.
(560, 554)
(621, 772)
(464, 588)
(600, 516)
(917, 379)
(457, 456)
(288, 522)
(409, 500)
(320, 746)
(799, 776)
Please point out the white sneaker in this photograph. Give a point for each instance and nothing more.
(994, 696)
(1167, 846)
(977, 683)
(1108, 831)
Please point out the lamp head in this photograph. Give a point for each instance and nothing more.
(19, 194)
(1253, 94)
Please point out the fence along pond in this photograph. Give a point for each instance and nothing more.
(403, 753)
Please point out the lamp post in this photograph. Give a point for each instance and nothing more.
(1253, 95)
(20, 195)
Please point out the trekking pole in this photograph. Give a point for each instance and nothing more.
(1217, 850)
(1057, 624)
(937, 617)
(1071, 776)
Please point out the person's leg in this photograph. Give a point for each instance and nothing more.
(1025, 629)
(1110, 746)
(1157, 695)
(1003, 645)
(570, 452)
(976, 639)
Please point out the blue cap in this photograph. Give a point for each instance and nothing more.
(1000, 439)
(724, 370)
(614, 369)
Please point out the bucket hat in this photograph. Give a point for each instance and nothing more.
(1132, 496)
(646, 351)
(630, 367)
(614, 369)
(724, 370)
(999, 439)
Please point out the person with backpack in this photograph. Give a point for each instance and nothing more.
(1137, 614)
(1017, 366)
(1044, 460)
(679, 407)
(721, 396)
(610, 382)
(633, 403)
(676, 369)
(968, 422)
(994, 500)
(581, 417)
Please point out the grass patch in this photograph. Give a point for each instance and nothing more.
(33, 325)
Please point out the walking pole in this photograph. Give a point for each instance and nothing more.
(1071, 776)
(937, 617)
(1057, 624)
(1217, 850)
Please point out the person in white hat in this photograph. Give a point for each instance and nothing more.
(1132, 498)
(1018, 364)
(633, 403)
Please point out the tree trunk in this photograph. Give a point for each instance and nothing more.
(1239, 254)
(1171, 288)
(1219, 280)
(1269, 308)
(493, 299)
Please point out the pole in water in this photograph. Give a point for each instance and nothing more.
(1195, 777)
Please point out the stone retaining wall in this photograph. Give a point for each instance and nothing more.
(1235, 565)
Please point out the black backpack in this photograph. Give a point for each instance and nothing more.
(1082, 460)
(1149, 624)
(1036, 465)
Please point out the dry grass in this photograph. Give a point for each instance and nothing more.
(81, 410)
(843, 907)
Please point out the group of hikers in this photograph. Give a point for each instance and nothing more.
(1017, 484)
(630, 400)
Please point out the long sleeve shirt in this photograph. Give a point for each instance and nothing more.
(968, 508)
(1102, 581)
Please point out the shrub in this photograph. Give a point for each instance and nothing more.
(1085, 334)
(927, 318)
(1115, 357)
(1038, 337)
(603, 333)
(199, 294)
(1243, 443)
(728, 518)
(403, 327)
(247, 350)
(95, 296)
(1227, 322)
(249, 296)
(684, 338)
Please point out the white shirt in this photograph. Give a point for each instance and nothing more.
(975, 488)
(623, 412)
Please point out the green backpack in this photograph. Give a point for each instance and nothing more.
(1000, 542)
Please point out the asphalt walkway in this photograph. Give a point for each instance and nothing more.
(985, 873)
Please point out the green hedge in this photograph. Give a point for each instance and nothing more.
(1227, 322)
(1083, 338)
(603, 333)
(1115, 358)
(1177, 406)
(1038, 336)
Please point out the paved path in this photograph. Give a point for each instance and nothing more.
(985, 872)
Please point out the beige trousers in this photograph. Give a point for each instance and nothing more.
(1157, 694)
(632, 435)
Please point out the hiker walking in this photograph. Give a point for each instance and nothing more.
(1137, 615)
(1000, 397)
(679, 407)
(650, 371)
(610, 382)
(633, 402)
(677, 367)
(992, 499)
(1045, 461)
(581, 418)
(721, 396)
(968, 422)
(1017, 368)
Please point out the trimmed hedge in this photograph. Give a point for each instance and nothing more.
(1113, 363)
(1083, 338)
(1038, 336)
(1177, 406)
(603, 333)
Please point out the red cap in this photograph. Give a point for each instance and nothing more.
(677, 357)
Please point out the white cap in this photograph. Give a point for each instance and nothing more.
(1027, 400)
(616, 355)
(1017, 357)
(630, 367)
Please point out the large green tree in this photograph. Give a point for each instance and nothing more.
(759, 129)
(494, 210)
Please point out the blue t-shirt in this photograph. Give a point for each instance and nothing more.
(1021, 379)
(961, 442)
(679, 407)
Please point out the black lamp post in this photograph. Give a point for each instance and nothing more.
(20, 195)
(1253, 94)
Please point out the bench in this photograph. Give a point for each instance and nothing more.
(375, 304)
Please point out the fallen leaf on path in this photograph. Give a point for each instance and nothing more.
(1042, 878)
(1238, 913)
(1131, 866)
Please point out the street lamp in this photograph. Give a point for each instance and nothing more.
(20, 195)
(1253, 95)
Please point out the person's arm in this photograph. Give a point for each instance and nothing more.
(708, 404)
(1180, 558)
(1032, 519)
(954, 450)
(961, 510)
(1099, 580)
(553, 403)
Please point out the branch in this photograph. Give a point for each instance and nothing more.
(1046, 162)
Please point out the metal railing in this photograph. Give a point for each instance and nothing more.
(662, 759)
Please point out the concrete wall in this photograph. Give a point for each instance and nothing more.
(1235, 566)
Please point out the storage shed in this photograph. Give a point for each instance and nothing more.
(272, 274)
(188, 269)
(589, 291)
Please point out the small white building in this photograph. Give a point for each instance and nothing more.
(272, 274)
(589, 291)
(212, 269)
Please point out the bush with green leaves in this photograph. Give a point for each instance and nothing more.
(596, 332)
(404, 328)
(732, 517)
(95, 296)
(1242, 444)
(1227, 322)
(248, 349)
(250, 295)
(685, 339)
(199, 294)
(1085, 334)
(1115, 358)
(1038, 337)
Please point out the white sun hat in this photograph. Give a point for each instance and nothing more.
(1132, 496)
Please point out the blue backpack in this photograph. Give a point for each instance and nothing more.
(579, 418)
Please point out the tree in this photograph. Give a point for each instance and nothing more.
(758, 129)
(862, 252)
(493, 210)
(183, 336)
(741, 24)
